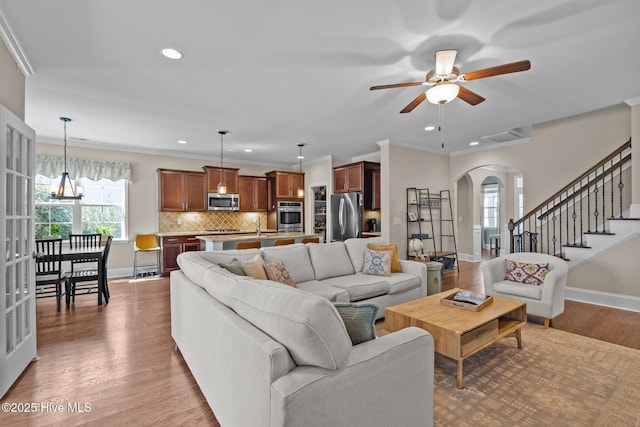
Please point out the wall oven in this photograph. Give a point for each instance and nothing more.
(290, 216)
(223, 202)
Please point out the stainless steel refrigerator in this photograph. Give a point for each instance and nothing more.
(346, 216)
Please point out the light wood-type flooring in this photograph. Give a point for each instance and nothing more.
(120, 358)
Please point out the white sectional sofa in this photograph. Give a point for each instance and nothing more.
(268, 354)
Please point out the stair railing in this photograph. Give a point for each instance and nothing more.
(580, 208)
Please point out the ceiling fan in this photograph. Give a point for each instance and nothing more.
(444, 77)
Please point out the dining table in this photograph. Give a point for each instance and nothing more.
(83, 253)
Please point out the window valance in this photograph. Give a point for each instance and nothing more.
(53, 166)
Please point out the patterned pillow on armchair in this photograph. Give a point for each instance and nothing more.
(522, 272)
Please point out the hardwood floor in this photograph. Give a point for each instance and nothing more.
(120, 358)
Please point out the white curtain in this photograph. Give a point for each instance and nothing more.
(53, 166)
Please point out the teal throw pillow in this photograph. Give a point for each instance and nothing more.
(234, 267)
(360, 319)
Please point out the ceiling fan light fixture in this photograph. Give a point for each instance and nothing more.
(442, 93)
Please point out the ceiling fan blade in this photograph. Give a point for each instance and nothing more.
(445, 60)
(513, 67)
(396, 85)
(469, 97)
(413, 104)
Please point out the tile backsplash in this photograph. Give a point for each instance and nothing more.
(201, 221)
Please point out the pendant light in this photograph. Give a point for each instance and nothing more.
(300, 157)
(63, 192)
(222, 187)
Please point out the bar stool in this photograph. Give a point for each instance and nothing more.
(494, 243)
(282, 242)
(249, 245)
(311, 240)
(146, 243)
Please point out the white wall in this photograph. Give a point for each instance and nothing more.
(12, 82)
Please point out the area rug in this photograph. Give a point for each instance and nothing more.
(556, 379)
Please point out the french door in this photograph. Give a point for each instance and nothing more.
(17, 283)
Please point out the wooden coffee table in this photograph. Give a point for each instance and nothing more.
(459, 333)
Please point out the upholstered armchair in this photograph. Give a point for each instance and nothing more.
(545, 300)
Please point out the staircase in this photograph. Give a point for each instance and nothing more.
(584, 219)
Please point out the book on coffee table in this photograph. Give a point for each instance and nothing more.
(470, 297)
(467, 300)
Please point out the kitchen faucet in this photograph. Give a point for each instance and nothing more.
(258, 225)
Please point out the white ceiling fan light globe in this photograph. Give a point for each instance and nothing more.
(442, 93)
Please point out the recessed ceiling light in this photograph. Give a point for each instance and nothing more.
(248, 150)
(474, 143)
(171, 53)
(429, 128)
(182, 141)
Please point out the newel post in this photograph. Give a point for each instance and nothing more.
(511, 226)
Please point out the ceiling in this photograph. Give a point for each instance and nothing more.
(277, 74)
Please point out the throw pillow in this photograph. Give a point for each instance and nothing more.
(278, 272)
(234, 267)
(359, 319)
(395, 262)
(255, 267)
(522, 272)
(377, 263)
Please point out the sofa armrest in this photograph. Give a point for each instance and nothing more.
(386, 381)
(492, 271)
(417, 268)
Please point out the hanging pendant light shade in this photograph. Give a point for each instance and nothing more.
(442, 93)
(300, 157)
(222, 187)
(66, 190)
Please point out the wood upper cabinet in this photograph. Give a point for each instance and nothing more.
(375, 189)
(182, 191)
(229, 175)
(349, 178)
(254, 193)
(285, 184)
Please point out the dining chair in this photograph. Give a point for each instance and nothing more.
(49, 274)
(311, 240)
(282, 242)
(146, 243)
(84, 241)
(85, 281)
(249, 245)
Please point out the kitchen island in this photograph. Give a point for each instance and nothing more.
(229, 241)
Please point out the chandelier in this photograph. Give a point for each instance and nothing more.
(66, 190)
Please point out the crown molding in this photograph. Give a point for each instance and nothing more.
(14, 47)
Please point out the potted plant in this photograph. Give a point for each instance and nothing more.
(105, 231)
(53, 230)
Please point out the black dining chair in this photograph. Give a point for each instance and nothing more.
(49, 274)
(84, 241)
(85, 280)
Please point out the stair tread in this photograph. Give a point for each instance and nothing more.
(623, 219)
(603, 233)
(576, 246)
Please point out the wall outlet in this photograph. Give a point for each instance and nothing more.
(179, 221)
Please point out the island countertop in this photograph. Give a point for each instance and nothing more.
(229, 241)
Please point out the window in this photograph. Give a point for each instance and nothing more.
(102, 208)
(490, 206)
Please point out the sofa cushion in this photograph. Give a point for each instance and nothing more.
(402, 282)
(330, 260)
(219, 283)
(324, 290)
(355, 249)
(295, 257)
(308, 325)
(395, 262)
(518, 289)
(278, 272)
(377, 263)
(225, 256)
(360, 286)
(528, 273)
(359, 319)
(254, 267)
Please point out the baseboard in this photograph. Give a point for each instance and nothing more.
(120, 272)
(607, 299)
(469, 257)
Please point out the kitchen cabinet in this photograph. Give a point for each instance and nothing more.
(181, 191)
(172, 246)
(375, 189)
(284, 185)
(254, 193)
(229, 175)
(348, 178)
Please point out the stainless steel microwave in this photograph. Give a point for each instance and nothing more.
(223, 202)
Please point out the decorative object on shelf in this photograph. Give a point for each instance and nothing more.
(300, 157)
(412, 216)
(63, 192)
(416, 246)
(222, 187)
